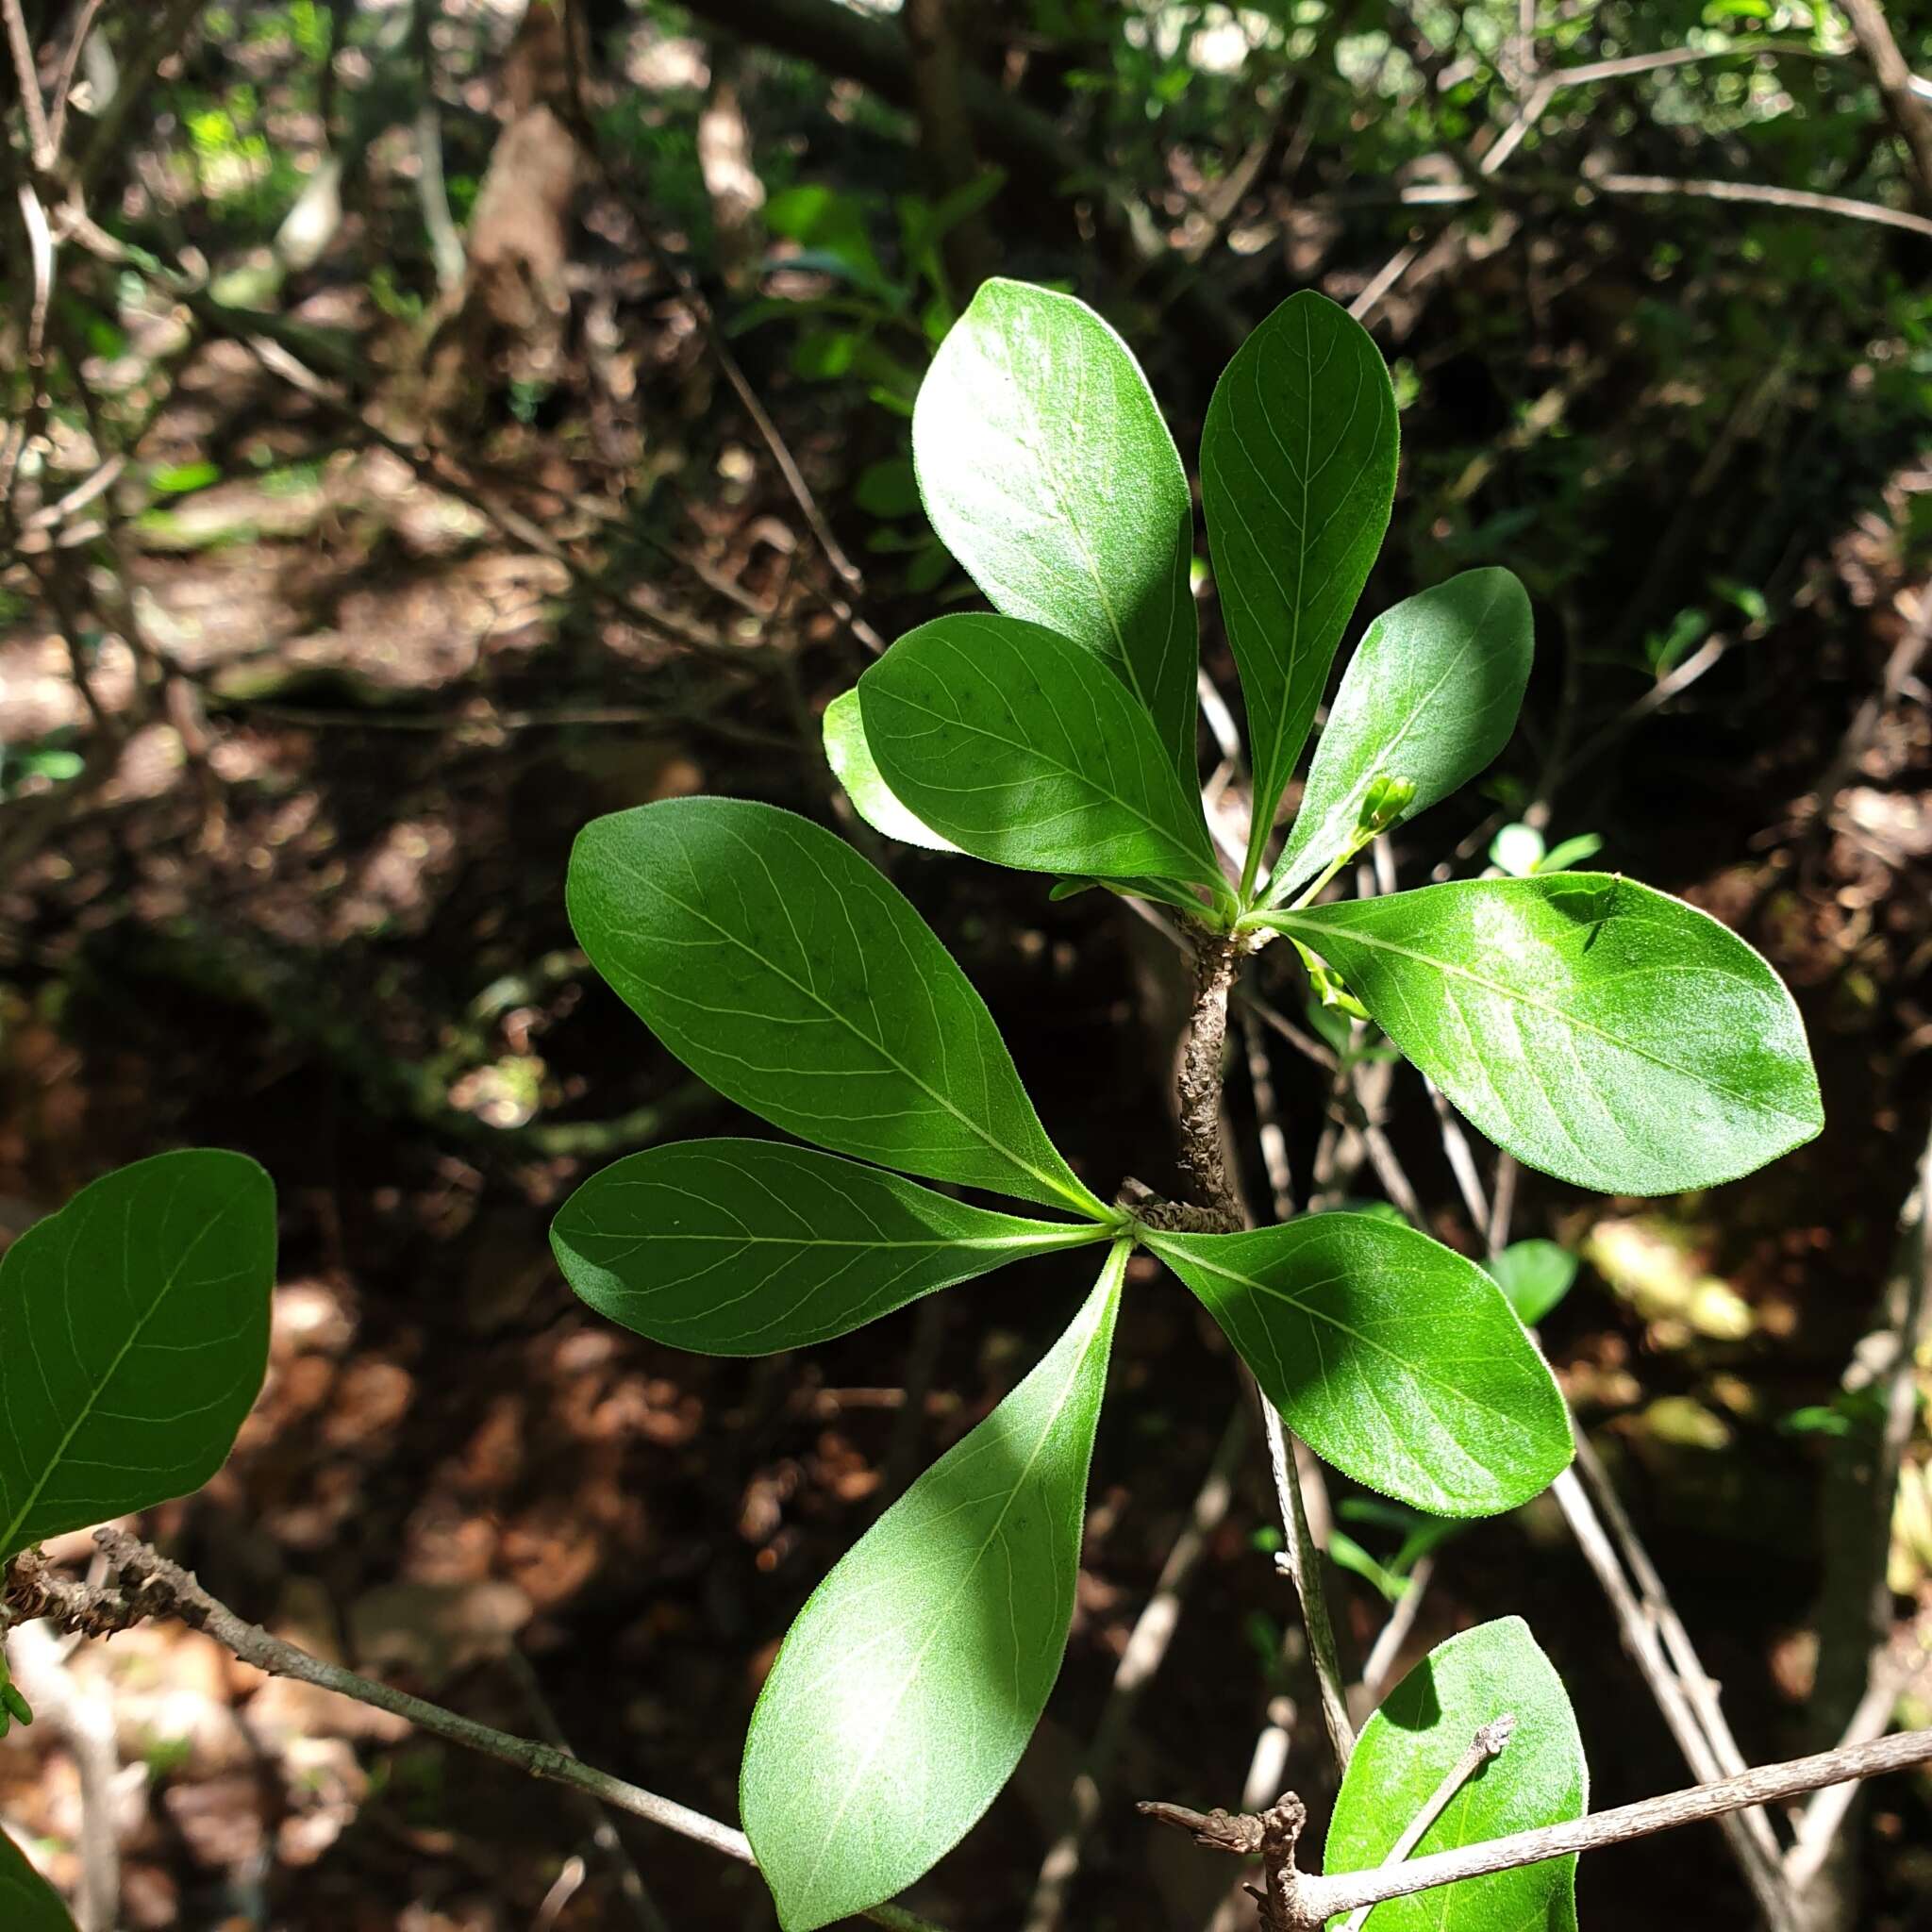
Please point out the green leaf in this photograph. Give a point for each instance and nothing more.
(133, 1339)
(912, 1679)
(853, 765)
(1048, 473)
(1394, 1358)
(1571, 852)
(1408, 1746)
(1430, 697)
(746, 1247)
(27, 1901)
(1020, 748)
(1535, 1276)
(1297, 479)
(1346, 1554)
(781, 968)
(1600, 1031)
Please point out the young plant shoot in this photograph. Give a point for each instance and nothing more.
(1590, 1026)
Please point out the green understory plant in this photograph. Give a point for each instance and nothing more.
(1590, 1026)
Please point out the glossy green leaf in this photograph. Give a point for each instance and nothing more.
(1297, 479)
(27, 1901)
(853, 765)
(1023, 748)
(912, 1679)
(1535, 1276)
(781, 968)
(1396, 1359)
(1408, 1746)
(744, 1247)
(133, 1339)
(1598, 1030)
(1047, 472)
(1430, 697)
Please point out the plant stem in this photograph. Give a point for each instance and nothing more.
(1300, 1562)
(152, 1586)
(1324, 1897)
(1204, 1151)
(1210, 1174)
(1489, 1741)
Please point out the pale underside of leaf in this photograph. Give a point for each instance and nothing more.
(1596, 1029)
(1047, 471)
(911, 1681)
(1013, 742)
(855, 769)
(790, 975)
(133, 1341)
(744, 1247)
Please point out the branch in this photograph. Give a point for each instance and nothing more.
(1752, 1842)
(1298, 1900)
(1767, 1785)
(1800, 199)
(1204, 1150)
(39, 142)
(1490, 1741)
(1908, 114)
(1300, 1562)
(86, 1722)
(105, 140)
(150, 1586)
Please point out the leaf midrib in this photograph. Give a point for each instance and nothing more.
(1284, 882)
(1093, 784)
(86, 1412)
(1072, 1238)
(1315, 1314)
(1285, 922)
(940, 1100)
(1105, 1289)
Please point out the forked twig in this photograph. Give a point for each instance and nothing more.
(1490, 1741)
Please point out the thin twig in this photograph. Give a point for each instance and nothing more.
(1300, 1562)
(1768, 1784)
(40, 142)
(105, 140)
(1762, 194)
(1385, 1652)
(604, 1834)
(1268, 1117)
(86, 1722)
(1856, 1614)
(1490, 1741)
(152, 1586)
(1752, 1842)
(680, 278)
(1461, 1161)
(1910, 116)
(63, 80)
